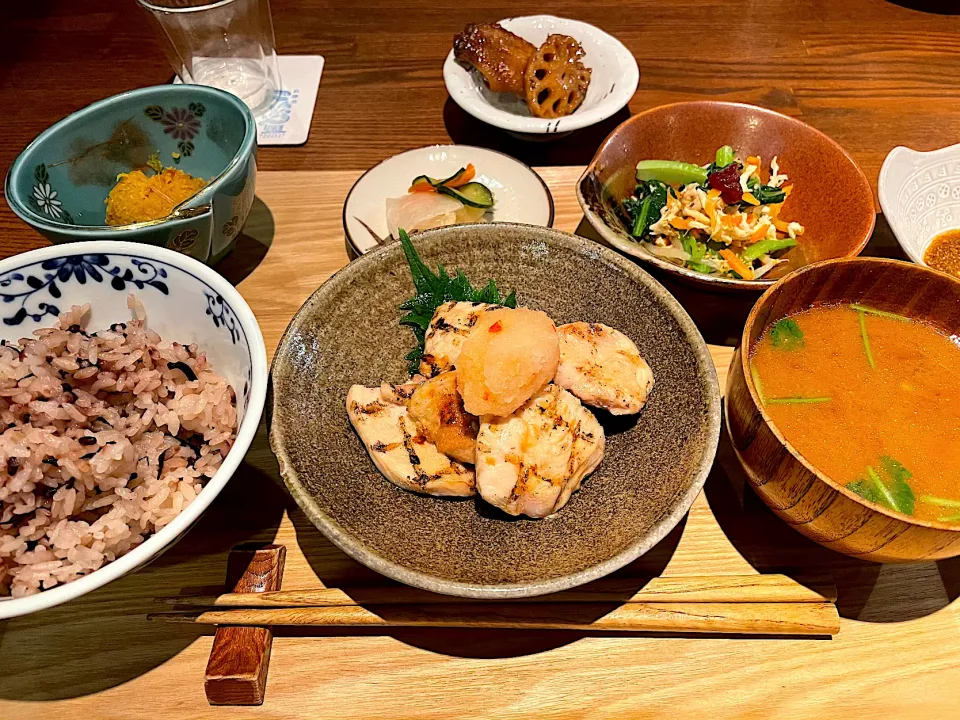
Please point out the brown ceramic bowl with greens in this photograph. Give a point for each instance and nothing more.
(831, 197)
(654, 465)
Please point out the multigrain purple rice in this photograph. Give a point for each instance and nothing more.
(107, 438)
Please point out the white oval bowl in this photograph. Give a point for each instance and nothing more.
(613, 82)
(185, 313)
(521, 194)
(919, 193)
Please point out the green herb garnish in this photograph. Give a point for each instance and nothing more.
(866, 339)
(878, 313)
(898, 495)
(153, 162)
(787, 335)
(434, 289)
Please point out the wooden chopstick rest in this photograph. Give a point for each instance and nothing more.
(237, 669)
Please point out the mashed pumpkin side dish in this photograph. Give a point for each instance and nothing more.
(138, 197)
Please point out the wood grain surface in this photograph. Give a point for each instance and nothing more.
(872, 74)
(240, 657)
(897, 654)
(773, 588)
(729, 618)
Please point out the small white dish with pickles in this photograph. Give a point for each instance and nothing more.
(442, 185)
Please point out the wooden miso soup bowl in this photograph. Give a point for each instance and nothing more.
(809, 501)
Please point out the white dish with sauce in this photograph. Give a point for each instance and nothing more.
(920, 196)
(520, 194)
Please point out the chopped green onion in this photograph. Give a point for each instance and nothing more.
(866, 339)
(725, 156)
(755, 376)
(765, 247)
(797, 400)
(878, 313)
(949, 518)
(943, 502)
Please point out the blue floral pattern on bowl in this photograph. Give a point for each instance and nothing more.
(36, 290)
(35, 293)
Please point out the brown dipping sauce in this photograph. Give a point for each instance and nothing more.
(944, 252)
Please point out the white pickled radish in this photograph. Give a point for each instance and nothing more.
(421, 211)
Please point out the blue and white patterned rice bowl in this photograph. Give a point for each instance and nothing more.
(185, 302)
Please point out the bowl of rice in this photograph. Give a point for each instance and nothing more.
(132, 381)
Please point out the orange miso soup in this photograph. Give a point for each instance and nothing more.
(871, 400)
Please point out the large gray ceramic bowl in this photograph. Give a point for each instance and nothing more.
(654, 466)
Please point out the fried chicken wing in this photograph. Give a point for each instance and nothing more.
(498, 55)
(603, 367)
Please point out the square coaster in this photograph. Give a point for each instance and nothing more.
(287, 122)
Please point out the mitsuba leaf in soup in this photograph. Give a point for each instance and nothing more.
(895, 494)
(787, 335)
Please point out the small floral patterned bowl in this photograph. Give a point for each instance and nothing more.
(185, 302)
(59, 183)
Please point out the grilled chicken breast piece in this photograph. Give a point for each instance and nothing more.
(529, 463)
(450, 325)
(603, 367)
(498, 55)
(437, 407)
(402, 393)
(399, 448)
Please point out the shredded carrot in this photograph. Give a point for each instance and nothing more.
(680, 223)
(775, 210)
(750, 199)
(782, 226)
(787, 189)
(754, 160)
(468, 175)
(713, 193)
(759, 233)
(424, 187)
(731, 220)
(737, 265)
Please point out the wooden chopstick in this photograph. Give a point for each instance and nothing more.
(677, 589)
(764, 618)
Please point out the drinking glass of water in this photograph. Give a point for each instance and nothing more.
(227, 44)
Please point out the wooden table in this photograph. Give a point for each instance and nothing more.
(872, 74)
(896, 655)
